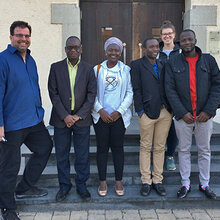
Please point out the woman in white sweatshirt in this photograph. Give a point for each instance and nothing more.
(111, 113)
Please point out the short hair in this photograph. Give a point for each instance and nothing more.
(144, 45)
(21, 24)
(167, 24)
(189, 30)
(73, 37)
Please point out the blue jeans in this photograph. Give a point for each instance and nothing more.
(172, 141)
(62, 139)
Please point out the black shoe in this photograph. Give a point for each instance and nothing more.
(208, 192)
(61, 195)
(159, 189)
(85, 195)
(183, 191)
(9, 215)
(33, 192)
(145, 189)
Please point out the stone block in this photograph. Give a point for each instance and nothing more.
(214, 213)
(148, 214)
(78, 215)
(113, 215)
(182, 214)
(199, 216)
(201, 16)
(64, 13)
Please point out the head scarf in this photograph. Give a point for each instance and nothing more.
(113, 40)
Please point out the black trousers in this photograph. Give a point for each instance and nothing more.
(38, 140)
(110, 135)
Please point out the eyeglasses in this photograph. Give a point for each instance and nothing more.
(167, 34)
(27, 36)
(76, 48)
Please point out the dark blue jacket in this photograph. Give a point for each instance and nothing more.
(177, 85)
(147, 87)
(163, 58)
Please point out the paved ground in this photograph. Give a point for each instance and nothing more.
(160, 214)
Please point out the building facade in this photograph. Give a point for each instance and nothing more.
(53, 21)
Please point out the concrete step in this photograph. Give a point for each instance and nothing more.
(131, 155)
(132, 199)
(131, 175)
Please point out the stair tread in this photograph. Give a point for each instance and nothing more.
(127, 149)
(130, 169)
(132, 196)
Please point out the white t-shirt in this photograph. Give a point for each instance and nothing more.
(112, 89)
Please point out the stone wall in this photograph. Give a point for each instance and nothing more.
(204, 18)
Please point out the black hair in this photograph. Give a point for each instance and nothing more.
(21, 24)
(189, 30)
(144, 45)
(73, 37)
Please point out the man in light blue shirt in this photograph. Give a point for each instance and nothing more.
(21, 121)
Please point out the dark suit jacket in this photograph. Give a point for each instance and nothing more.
(60, 93)
(148, 88)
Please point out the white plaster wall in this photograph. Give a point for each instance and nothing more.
(46, 38)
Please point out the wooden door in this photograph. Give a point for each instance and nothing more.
(130, 20)
(148, 16)
(101, 20)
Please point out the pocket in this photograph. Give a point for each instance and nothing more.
(147, 98)
(179, 69)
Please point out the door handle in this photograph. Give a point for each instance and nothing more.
(124, 52)
(140, 49)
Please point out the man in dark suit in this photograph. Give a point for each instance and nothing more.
(72, 89)
(154, 119)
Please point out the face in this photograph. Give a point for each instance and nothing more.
(21, 39)
(152, 49)
(73, 49)
(167, 35)
(187, 41)
(113, 53)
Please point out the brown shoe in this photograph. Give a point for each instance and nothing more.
(121, 191)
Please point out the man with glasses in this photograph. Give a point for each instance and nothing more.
(21, 121)
(72, 89)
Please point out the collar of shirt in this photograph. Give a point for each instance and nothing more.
(14, 50)
(70, 64)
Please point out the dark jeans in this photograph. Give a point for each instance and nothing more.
(172, 141)
(38, 140)
(110, 135)
(62, 139)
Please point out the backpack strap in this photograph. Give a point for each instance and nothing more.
(98, 68)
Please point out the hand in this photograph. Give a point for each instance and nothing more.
(105, 116)
(76, 118)
(140, 115)
(115, 115)
(2, 132)
(203, 117)
(69, 120)
(188, 118)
